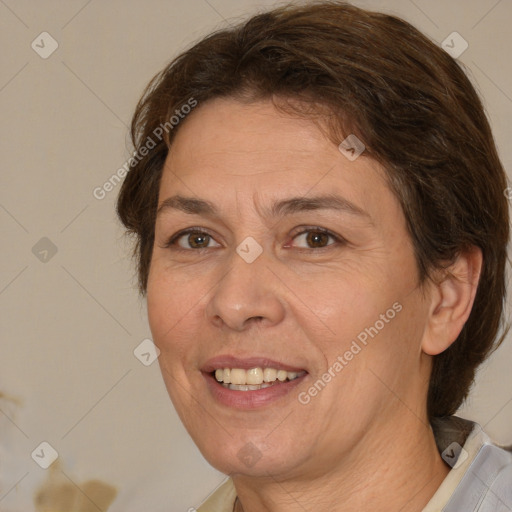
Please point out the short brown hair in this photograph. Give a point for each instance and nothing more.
(403, 96)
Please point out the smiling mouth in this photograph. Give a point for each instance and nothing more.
(238, 379)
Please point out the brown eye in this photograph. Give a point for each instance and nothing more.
(198, 240)
(191, 239)
(317, 239)
(314, 239)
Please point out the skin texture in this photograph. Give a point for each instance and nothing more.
(364, 440)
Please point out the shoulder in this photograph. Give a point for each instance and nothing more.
(483, 468)
(487, 483)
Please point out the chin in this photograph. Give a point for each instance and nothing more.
(251, 457)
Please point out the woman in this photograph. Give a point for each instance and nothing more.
(321, 232)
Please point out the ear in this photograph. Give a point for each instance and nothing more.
(452, 297)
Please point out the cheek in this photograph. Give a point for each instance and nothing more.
(348, 301)
(158, 302)
(168, 313)
(168, 304)
(376, 309)
(331, 290)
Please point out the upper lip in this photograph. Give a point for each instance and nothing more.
(246, 363)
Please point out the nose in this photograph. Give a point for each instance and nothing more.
(247, 293)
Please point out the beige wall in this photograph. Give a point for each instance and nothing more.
(70, 323)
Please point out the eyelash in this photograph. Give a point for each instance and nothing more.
(310, 229)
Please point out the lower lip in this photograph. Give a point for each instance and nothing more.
(250, 399)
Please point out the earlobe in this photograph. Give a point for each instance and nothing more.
(452, 298)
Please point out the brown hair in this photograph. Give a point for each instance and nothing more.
(404, 97)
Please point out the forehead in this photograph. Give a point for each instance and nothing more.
(226, 127)
(253, 149)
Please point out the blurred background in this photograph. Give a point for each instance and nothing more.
(75, 381)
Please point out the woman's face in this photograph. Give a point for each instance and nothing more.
(276, 253)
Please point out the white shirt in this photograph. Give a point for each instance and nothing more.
(480, 479)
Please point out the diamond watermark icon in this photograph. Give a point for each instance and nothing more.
(45, 455)
(44, 250)
(249, 249)
(249, 454)
(44, 45)
(455, 45)
(146, 352)
(454, 455)
(352, 147)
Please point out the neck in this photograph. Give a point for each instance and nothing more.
(401, 474)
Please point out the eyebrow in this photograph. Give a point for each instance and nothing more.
(194, 206)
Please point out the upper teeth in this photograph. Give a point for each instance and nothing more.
(253, 376)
